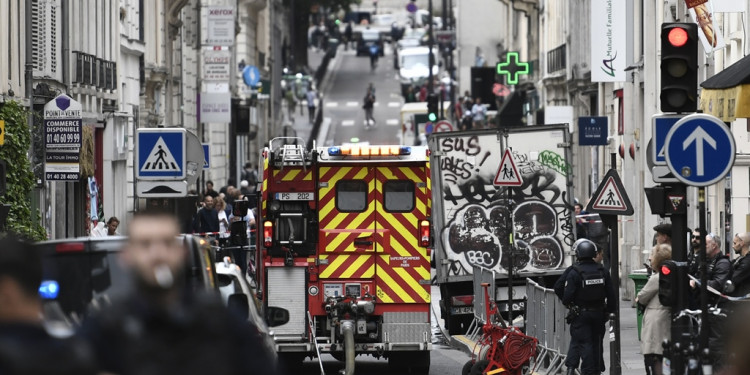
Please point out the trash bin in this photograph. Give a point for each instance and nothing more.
(639, 277)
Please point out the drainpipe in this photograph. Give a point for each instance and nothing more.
(173, 24)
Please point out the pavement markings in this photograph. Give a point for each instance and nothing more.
(332, 104)
(392, 122)
(352, 104)
(347, 123)
(394, 104)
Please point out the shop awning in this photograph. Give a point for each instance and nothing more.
(726, 95)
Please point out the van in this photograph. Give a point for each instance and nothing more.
(413, 63)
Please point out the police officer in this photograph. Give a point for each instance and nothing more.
(590, 297)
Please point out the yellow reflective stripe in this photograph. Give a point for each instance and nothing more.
(334, 241)
(424, 272)
(395, 286)
(414, 284)
(358, 262)
(331, 268)
(370, 271)
(291, 174)
(383, 297)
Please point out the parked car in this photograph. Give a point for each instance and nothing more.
(366, 38)
(238, 295)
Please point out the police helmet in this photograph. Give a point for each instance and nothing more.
(584, 248)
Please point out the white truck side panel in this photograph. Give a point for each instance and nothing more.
(472, 217)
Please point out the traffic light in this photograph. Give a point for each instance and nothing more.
(432, 107)
(679, 67)
(670, 274)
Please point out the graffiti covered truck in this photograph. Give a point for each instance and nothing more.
(476, 215)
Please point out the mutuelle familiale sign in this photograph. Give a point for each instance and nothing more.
(62, 139)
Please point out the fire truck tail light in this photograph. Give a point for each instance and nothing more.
(346, 150)
(425, 235)
(268, 233)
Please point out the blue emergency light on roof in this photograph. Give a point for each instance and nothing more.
(49, 289)
(405, 150)
(334, 151)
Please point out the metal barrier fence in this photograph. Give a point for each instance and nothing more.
(545, 320)
(481, 275)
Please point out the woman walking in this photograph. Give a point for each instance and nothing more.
(657, 321)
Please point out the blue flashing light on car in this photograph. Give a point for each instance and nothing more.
(49, 289)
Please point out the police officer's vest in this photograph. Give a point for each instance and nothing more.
(593, 290)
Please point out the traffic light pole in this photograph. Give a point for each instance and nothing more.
(430, 41)
(679, 255)
(615, 367)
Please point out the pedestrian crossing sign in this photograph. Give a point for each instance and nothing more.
(610, 197)
(161, 153)
(507, 173)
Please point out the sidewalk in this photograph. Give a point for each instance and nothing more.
(630, 348)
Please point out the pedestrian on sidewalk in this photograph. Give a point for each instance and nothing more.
(291, 103)
(311, 96)
(656, 317)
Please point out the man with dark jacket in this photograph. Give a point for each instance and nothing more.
(741, 265)
(589, 294)
(207, 218)
(163, 327)
(718, 272)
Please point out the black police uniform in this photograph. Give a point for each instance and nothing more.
(588, 287)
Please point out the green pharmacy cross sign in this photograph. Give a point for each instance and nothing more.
(512, 68)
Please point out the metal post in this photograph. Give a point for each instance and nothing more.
(430, 41)
(679, 255)
(510, 260)
(704, 277)
(615, 367)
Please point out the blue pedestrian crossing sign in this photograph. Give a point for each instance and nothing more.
(161, 153)
(206, 155)
(700, 150)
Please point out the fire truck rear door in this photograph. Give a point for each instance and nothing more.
(402, 199)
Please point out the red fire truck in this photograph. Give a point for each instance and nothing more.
(345, 248)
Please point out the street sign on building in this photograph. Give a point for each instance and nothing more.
(251, 75)
(660, 127)
(610, 198)
(507, 173)
(62, 138)
(700, 150)
(206, 155)
(592, 131)
(160, 153)
(216, 65)
(216, 107)
(219, 26)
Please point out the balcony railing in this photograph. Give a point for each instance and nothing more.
(93, 71)
(556, 59)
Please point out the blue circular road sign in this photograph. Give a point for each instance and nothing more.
(411, 7)
(699, 150)
(251, 75)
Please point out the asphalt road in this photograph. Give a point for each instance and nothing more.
(349, 77)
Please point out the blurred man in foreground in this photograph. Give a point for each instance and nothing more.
(25, 346)
(163, 327)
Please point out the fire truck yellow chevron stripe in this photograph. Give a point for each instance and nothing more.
(394, 285)
(359, 261)
(414, 284)
(332, 267)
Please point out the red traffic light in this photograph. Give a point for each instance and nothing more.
(665, 270)
(678, 37)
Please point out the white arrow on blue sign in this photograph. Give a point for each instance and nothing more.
(160, 153)
(700, 150)
(206, 155)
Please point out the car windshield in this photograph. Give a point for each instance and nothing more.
(413, 61)
(370, 35)
(383, 19)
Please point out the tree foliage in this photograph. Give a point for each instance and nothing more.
(20, 179)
